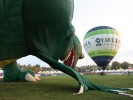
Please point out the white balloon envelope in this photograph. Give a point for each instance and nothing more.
(101, 44)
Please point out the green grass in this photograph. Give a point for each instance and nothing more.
(62, 88)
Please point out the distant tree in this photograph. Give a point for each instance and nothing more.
(115, 65)
(78, 69)
(93, 67)
(82, 68)
(37, 65)
(125, 65)
(108, 67)
(43, 68)
(131, 65)
(22, 66)
(34, 68)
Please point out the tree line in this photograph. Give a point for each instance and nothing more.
(35, 68)
(123, 65)
(115, 65)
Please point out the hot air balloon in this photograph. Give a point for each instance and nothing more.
(102, 43)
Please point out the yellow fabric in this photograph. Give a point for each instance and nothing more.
(6, 62)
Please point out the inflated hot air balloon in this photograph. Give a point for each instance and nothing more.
(101, 44)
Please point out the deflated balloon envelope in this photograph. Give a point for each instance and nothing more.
(102, 43)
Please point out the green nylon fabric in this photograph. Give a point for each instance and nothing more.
(102, 53)
(12, 41)
(42, 28)
(47, 26)
(22, 25)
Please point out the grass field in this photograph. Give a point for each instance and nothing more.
(62, 88)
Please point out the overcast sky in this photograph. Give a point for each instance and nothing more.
(91, 13)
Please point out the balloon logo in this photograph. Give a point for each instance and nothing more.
(101, 44)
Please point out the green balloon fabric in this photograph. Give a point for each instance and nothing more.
(12, 41)
(41, 28)
(48, 26)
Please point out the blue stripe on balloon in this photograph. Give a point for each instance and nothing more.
(102, 61)
(100, 27)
